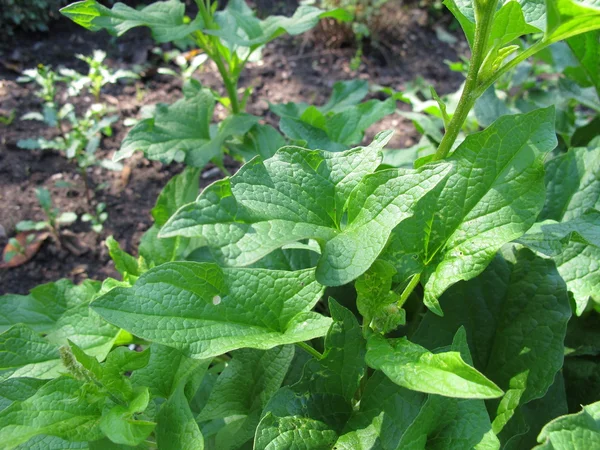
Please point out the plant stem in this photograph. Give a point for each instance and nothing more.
(408, 290)
(469, 95)
(86, 182)
(307, 348)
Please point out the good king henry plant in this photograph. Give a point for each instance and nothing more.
(320, 300)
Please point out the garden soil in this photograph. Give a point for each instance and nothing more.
(300, 68)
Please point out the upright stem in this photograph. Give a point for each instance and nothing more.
(230, 83)
(469, 95)
(230, 80)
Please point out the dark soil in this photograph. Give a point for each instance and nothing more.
(293, 69)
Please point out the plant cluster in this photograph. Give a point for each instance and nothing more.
(323, 297)
(79, 136)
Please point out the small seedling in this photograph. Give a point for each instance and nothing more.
(54, 218)
(98, 76)
(97, 218)
(187, 62)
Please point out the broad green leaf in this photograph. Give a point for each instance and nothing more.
(392, 417)
(64, 407)
(568, 18)
(586, 48)
(177, 429)
(166, 370)
(508, 25)
(43, 442)
(242, 391)
(573, 189)
(572, 432)
(313, 412)
(120, 426)
(345, 94)
(375, 300)
(209, 311)
(261, 140)
(166, 19)
(492, 196)
(572, 186)
(239, 27)
(129, 267)
(343, 364)
(515, 314)
(293, 432)
(24, 353)
(180, 190)
(182, 132)
(300, 194)
(522, 431)
(549, 237)
(386, 412)
(18, 389)
(339, 130)
(60, 311)
(155, 251)
(414, 367)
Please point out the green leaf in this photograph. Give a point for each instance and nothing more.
(492, 196)
(586, 48)
(523, 429)
(182, 132)
(23, 353)
(64, 407)
(261, 140)
(549, 237)
(243, 390)
(375, 299)
(43, 442)
(238, 25)
(572, 190)
(180, 190)
(177, 429)
(515, 314)
(345, 94)
(166, 19)
(340, 130)
(18, 389)
(314, 411)
(60, 311)
(386, 412)
(508, 25)
(392, 417)
(293, 432)
(300, 194)
(414, 367)
(108, 375)
(575, 431)
(568, 18)
(126, 265)
(166, 370)
(571, 184)
(119, 425)
(462, 10)
(209, 311)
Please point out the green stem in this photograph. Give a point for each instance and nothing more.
(485, 84)
(408, 290)
(307, 348)
(230, 82)
(483, 26)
